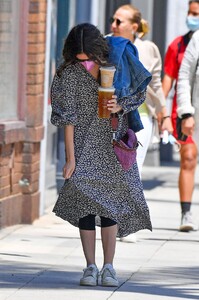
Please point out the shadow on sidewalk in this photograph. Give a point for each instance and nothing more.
(150, 184)
(166, 281)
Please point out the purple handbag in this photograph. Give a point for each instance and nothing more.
(125, 149)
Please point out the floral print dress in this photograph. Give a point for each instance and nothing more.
(99, 185)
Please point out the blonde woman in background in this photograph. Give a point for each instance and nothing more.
(127, 22)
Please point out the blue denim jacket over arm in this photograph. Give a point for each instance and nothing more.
(130, 77)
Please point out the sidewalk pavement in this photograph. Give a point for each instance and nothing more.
(45, 260)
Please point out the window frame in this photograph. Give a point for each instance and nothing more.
(22, 61)
(12, 130)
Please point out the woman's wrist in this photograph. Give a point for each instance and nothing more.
(69, 157)
(120, 111)
(165, 117)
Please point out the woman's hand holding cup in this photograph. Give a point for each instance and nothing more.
(112, 105)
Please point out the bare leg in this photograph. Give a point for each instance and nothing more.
(88, 244)
(187, 171)
(108, 235)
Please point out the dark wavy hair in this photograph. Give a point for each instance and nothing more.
(84, 38)
(192, 1)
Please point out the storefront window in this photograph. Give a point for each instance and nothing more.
(9, 35)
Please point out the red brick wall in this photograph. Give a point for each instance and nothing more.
(20, 140)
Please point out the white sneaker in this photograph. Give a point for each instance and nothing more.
(90, 276)
(131, 238)
(108, 276)
(187, 222)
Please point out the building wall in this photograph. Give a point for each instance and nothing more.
(20, 137)
(22, 131)
(176, 20)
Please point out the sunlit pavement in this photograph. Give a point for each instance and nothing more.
(45, 260)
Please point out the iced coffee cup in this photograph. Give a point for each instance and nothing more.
(104, 95)
(107, 74)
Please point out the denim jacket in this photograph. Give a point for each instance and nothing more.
(130, 77)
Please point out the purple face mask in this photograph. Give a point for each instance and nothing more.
(88, 64)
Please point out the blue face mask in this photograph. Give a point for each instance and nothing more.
(192, 23)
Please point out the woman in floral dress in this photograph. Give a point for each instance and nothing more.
(97, 191)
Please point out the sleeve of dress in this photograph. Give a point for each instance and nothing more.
(186, 77)
(63, 100)
(129, 103)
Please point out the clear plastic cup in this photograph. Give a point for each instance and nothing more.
(107, 75)
(104, 95)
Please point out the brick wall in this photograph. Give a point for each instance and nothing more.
(20, 140)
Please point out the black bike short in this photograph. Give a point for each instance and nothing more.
(88, 222)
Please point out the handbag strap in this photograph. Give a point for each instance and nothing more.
(114, 120)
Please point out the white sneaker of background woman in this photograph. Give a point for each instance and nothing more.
(131, 238)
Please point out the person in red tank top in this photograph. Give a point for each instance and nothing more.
(188, 152)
